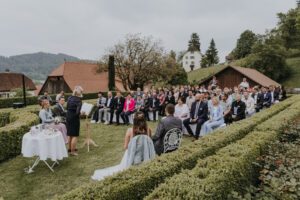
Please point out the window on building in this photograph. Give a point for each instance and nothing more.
(187, 57)
(192, 57)
(192, 63)
(186, 62)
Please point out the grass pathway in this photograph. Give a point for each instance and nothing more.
(72, 171)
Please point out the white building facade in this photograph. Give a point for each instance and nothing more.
(191, 60)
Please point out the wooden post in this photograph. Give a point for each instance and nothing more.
(88, 139)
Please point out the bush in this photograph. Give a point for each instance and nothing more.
(138, 181)
(229, 170)
(12, 133)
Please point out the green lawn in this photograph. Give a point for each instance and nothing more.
(294, 80)
(72, 171)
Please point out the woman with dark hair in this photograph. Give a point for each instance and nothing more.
(138, 148)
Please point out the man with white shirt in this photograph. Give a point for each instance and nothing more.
(190, 99)
(249, 101)
(244, 83)
(100, 105)
(106, 108)
(274, 94)
(59, 110)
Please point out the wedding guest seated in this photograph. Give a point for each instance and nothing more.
(138, 103)
(238, 109)
(216, 117)
(146, 105)
(282, 93)
(59, 110)
(244, 83)
(226, 104)
(267, 99)
(118, 106)
(61, 94)
(107, 108)
(181, 109)
(138, 146)
(169, 98)
(138, 92)
(249, 101)
(274, 95)
(47, 118)
(128, 109)
(202, 89)
(198, 115)
(190, 99)
(258, 99)
(100, 104)
(182, 93)
(154, 105)
(165, 124)
(45, 96)
(162, 99)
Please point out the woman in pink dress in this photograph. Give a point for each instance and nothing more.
(128, 109)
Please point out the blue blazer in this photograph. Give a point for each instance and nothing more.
(267, 98)
(219, 113)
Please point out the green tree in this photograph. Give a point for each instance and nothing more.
(212, 54)
(204, 62)
(194, 42)
(173, 54)
(244, 44)
(289, 28)
(111, 73)
(18, 92)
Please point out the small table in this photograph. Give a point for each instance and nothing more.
(44, 146)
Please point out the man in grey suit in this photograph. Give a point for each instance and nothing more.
(165, 124)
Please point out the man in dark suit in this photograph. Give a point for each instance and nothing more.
(170, 98)
(59, 110)
(154, 105)
(267, 99)
(238, 109)
(198, 114)
(109, 108)
(165, 124)
(146, 105)
(258, 99)
(118, 106)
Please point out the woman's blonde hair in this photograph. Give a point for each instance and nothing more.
(44, 102)
(78, 91)
(217, 100)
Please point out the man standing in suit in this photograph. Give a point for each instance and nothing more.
(165, 124)
(198, 114)
(59, 109)
(118, 106)
(154, 105)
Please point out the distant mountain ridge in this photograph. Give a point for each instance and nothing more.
(36, 65)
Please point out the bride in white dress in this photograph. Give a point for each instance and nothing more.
(138, 148)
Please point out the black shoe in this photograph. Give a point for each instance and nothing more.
(69, 150)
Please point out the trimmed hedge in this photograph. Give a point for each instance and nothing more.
(33, 100)
(138, 181)
(230, 169)
(12, 133)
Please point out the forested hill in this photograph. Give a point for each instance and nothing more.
(36, 65)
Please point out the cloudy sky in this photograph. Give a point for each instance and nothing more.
(86, 28)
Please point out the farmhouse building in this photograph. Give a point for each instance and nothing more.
(70, 74)
(10, 81)
(231, 76)
(191, 60)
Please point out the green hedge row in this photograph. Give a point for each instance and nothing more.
(138, 181)
(8, 102)
(12, 133)
(231, 169)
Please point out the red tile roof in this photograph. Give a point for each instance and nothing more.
(84, 74)
(9, 81)
(256, 76)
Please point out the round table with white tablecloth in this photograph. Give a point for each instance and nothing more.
(44, 144)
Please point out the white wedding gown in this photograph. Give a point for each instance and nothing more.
(140, 149)
(102, 173)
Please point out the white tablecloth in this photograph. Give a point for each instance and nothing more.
(44, 146)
